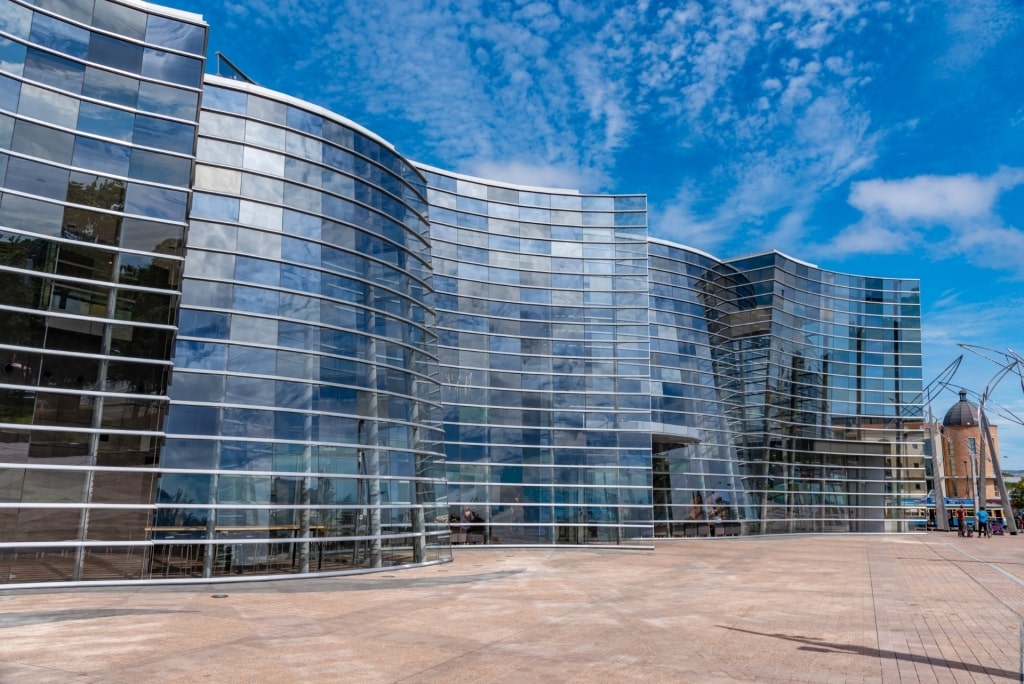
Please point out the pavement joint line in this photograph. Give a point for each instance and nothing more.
(995, 567)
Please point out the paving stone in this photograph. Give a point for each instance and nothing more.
(883, 608)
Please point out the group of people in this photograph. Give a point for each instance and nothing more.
(981, 517)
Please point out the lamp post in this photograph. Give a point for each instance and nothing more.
(1011, 364)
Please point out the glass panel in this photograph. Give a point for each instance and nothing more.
(175, 34)
(162, 99)
(98, 155)
(78, 10)
(10, 92)
(145, 307)
(219, 152)
(151, 378)
(160, 168)
(196, 387)
(32, 215)
(150, 236)
(155, 202)
(165, 66)
(42, 142)
(114, 88)
(15, 19)
(37, 179)
(224, 100)
(47, 105)
(81, 261)
(96, 191)
(53, 70)
(115, 53)
(119, 19)
(193, 420)
(163, 134)
(130, 450)
(59, 36)
(105, 121)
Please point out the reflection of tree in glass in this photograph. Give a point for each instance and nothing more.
(19, 251)
(96, 191)
(178, 516)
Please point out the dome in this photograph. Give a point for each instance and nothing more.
(961, 414)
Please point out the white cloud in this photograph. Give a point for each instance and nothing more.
(679, 223)
(974, 28)
(870, 237)
(927, 198)
(525, 173)
(945, 215)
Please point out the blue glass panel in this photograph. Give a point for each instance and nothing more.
(53, 70)
(115, 53)
(59, 36)
(251, 423)
(156, 202)
(105, 121)
(289, 425)
(189, 453)
(98, 155)
(215, 207)
(200, 355)
(194, 323)
(113, 88)
(224, 100)
(165, 135)
(256, 300)
(257, 271)
(37, 179)
(175, 34)
(12, 57)
(119, 19)
(165, 66)
(160, 168)
(252, 360)
(304, 121)
(162, 99)
(192, 420)
(246, 455)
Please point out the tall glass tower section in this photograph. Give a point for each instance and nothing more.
(696, 465)
(305, 428)
(544, 347)
(98, 107)
(818, 378)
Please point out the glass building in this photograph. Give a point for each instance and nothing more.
(241, 336)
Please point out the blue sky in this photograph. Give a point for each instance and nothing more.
(877, 138)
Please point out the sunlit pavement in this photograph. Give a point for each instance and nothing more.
(923, 608)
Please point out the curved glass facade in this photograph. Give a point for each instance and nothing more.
(305, 426)
(544, 346)
(349, 361)
(803, 386)
(98, 107)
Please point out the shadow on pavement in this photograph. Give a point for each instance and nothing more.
(819, 646)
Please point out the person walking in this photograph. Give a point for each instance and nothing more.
(961, 519)
(982, 522)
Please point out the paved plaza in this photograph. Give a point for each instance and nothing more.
(922, 608)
